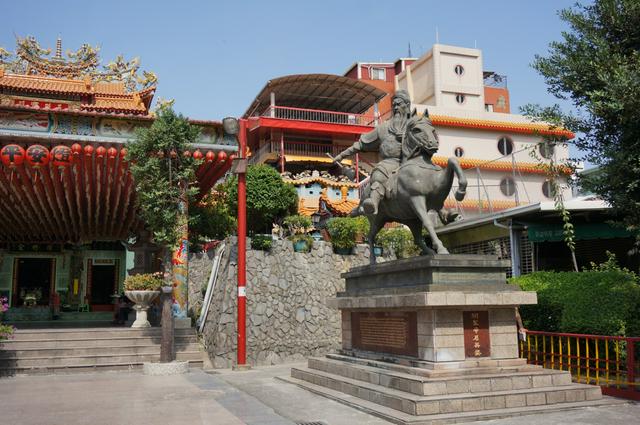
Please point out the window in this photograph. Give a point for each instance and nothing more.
(459, 70)
(546, 149)
(547, 189)
(488, 107)
(460, 98)
(507, 186)
(378, 74)
(505, 145)
(459, 152)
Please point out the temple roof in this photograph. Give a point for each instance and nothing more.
(115, 89)
(324, 92)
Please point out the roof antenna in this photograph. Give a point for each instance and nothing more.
(437, 36)
(409, 51)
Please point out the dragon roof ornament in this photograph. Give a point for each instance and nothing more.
(31, 59)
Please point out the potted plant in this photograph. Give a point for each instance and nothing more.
(298, 227)
(142, 289)
(362, 228)
(343, 234)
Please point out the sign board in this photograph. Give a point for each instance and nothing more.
(476, 334)
(385, 332)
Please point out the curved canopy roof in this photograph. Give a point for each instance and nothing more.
(317, 91)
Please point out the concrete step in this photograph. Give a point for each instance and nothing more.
(103, 367)
(449, 403)
(399, 417)
(88, 351)
(417, 368)
(20, 344)
(439, 385)
(89, 333)
(92, 360)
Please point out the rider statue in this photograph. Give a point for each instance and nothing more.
(387, 139)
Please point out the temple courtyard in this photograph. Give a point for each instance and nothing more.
(223, 397)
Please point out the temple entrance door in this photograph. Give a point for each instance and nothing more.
(103, 282)
(33, 281)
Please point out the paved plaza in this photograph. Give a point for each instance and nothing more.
(223, 397)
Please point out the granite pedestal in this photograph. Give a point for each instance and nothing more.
(433, 339)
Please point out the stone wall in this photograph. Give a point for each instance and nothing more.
(287, 315)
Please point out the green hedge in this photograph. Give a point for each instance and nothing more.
(600, 302)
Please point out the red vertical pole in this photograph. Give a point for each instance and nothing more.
(242, 252)
(357, 168)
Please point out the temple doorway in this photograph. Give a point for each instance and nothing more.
(103, 283)
(33, 281)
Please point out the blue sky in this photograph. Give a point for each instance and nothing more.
(214, 57)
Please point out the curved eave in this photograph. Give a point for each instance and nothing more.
(506, 126)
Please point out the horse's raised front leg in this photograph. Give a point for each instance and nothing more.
(416, 231)
(420, 208)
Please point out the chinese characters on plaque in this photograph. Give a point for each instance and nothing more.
(476, 333)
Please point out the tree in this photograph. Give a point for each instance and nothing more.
(269, 198)
(159, 170)
(597, 67)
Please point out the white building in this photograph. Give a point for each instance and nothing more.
(500, 151)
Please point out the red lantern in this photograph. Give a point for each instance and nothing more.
(12, 155)
(112, 153)
(210, 156)
(186, 154)
(88, 150)
(61, 156)
(76, 148)
(100, 152)
(123, 153)
(37, 156)
(222, 156)
(173, 154)
(197, 154)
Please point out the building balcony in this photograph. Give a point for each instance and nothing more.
(271, 151)
(319, 116)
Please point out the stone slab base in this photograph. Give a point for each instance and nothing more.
(162, 369)
(409, 395)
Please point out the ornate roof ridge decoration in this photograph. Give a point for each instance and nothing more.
(30, 59)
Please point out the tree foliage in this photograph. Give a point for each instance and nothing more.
(159, 168)
(597, 67)
(269, 198)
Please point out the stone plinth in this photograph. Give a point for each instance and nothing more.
(441, 298)
(434, 340)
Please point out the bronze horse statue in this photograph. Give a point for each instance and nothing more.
(417, 187)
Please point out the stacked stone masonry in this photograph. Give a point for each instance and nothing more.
(287, 314)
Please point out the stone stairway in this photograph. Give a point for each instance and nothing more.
(411, 395)
(34, 351)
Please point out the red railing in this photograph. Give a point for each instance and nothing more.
(315, 115)
(608, 361)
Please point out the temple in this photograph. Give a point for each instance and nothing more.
(70, 231)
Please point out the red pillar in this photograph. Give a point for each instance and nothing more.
(242, 252)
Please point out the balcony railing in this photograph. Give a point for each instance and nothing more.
(314, 115)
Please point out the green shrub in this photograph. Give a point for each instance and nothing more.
(143, 282)
(261, 242)
(342, 231)
(362, 225)
(589, 302)
(399, 241)
(269, 198)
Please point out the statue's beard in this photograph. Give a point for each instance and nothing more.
(399, 120)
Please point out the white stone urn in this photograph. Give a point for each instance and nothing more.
(142, 299)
